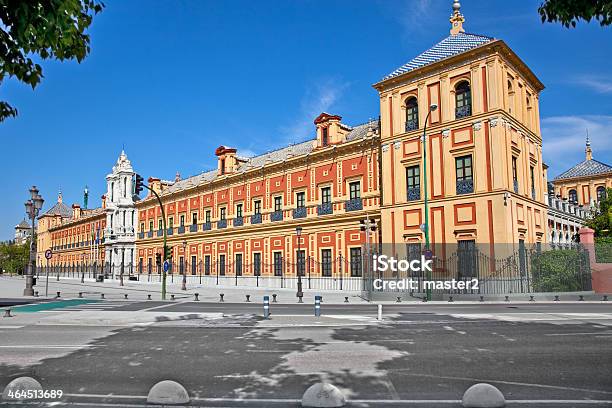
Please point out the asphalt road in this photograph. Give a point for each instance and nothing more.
(432, 352)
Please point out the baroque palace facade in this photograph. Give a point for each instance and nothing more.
(486, 181)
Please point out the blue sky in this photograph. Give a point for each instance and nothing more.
(171, 80)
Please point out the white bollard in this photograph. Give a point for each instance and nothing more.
(379, 312)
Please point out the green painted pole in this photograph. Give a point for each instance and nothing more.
(163, 288)
(426, 203)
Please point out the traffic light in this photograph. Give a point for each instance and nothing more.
(167, 252)
(158, 258)
(139, 184)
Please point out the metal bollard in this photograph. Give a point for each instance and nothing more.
(482, 298)
(36, 294)
(346, 299)
(274, 298)
(102, 295)
(317, 306)
(424, 300)
(59, 294)
(605, 298)
(556, 298)
(80, 294)
(266, 307)
(221, 297)
(399, 299)
(7, 313)
(450, 299)
(196, 296)
(531, 299)
(248, 298)
(379, 317)
(125, 295)
(149, 296)
(580, 298)
(507, 299)
(171, 297)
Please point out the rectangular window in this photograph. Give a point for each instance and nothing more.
(532, 176)
(356, 262)
(238, 265)
(467, 259)
(324, 136)
(150, 225)
(194, 218)
(222, 213)
(326, 262)
(181, 265)
(194, 264)
(207, 216)
(140, 265)
(354, 190)
(182, 221)
(463, 166)
(278, 264)
(301, 262)
(257, 264)
(171, 222)
(160, 224)
(326, 195)
(413, 177)
(206, 264)
(514, 170)
(239, 210)
(150, 266)
(300, 199)
(257, 207)
(222, 265)
(278, 203)
(142, 227)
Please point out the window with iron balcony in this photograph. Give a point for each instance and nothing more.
(326, 206)
(413, 183)
(300, 211)
(463, 100)
(463, 169)
(354, 202)
(412, 114)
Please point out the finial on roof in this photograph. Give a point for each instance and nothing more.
(85, 197)
(59, 196)
(177, 177)
(457, 19)
(588, 151)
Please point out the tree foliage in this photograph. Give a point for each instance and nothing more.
(44, 29)
(569, 12)
(601, 219)
(560, 271)
(13, 257)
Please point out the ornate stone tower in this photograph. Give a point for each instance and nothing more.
(120, 234)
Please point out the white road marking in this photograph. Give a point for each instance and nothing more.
(42, 346)
(11, 327)
(577, 334)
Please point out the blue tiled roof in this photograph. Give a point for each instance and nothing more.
(586, 168)
(59, 209)
(451, 45)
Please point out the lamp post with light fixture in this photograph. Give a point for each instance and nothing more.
(425, 226)
(184, 284)
(33, 207)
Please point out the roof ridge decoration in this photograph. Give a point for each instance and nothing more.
(457, 19)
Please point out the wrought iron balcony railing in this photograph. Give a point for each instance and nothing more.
(299, 212)
(412, 125)
(150, 234)
(463, 111)
(325, 208)
(533, 194)
(193, 228)
(354, 204)
(181, 229)
(414, 193)
(170, 231)
(465, 186)
(221, 224)
(276, 216)
(256, 219)
(238, 221)
(160, 233)
(207, 226)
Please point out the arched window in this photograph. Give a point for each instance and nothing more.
(412, 114)
(601, 193)
(463, 100)
(573, 196)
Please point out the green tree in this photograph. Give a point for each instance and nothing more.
(43, 29)
(14, 258)
(569, 12)
(601, 219)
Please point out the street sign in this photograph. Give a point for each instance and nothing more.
(428, 254)
(166, 266)
(48, 254)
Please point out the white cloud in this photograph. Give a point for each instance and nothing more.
(597, 83)
(320, 97)
(564, 140)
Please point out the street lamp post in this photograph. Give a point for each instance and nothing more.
(300, 293)
(184, 285)
(432, 108)
(33, 207)
(368, 226)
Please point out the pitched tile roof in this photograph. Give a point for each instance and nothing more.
(59, 209)
(451, 45)
(274, 156)
(586, 168)
(23, 225)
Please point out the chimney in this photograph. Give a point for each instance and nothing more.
(227, 160)
(155, 184)
(329, 130)
(76, 211)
